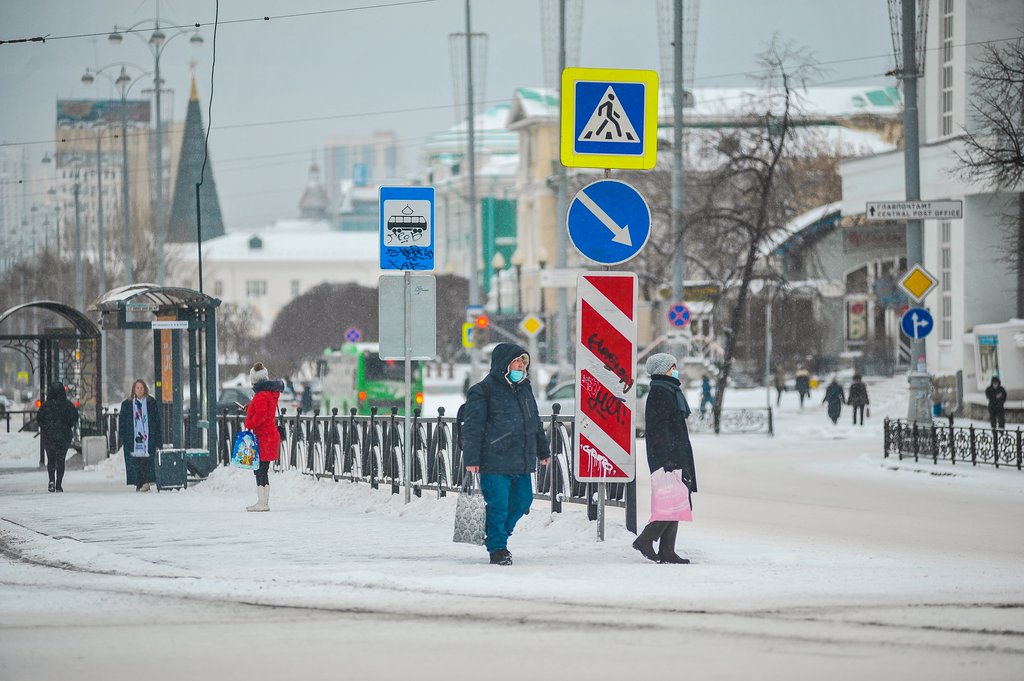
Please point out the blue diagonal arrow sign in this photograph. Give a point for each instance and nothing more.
(609, 222)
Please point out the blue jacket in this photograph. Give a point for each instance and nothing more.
(503, 433)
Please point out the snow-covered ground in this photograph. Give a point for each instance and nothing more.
(812, 555)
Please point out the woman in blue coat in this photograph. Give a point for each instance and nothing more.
(668, 447)
(503, 440)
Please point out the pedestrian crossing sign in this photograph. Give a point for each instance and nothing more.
(609, 118)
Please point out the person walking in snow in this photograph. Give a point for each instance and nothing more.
(835, 398)
(780, 384)
(668, 447)
(261, 419)
(706, 398)
(56, 418)
(503, 441)
(858, 398)
(140, 429)
(803, 384)
(995, 393)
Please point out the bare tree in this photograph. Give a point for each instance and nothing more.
(994, 147)
(755, 190)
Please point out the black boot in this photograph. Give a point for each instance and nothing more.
(501, 557)
(645, 542)
(667, 547)
(52, 486)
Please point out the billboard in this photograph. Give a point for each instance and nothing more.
(77, 111)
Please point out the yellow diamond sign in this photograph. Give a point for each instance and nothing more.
(531, 325)
(918, 283)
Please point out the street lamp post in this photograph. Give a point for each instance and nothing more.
(517, 262)
(123, 83)
(498, 263)
(157, 42)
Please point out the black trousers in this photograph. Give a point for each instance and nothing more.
(997, 418)
(141, 470)
(858, 409)
(56, 452)
(263, 474)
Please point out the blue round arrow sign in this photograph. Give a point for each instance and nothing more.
(917, 323)
(608, 222)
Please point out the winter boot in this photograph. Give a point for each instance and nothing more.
(645, 542)
(667, 547)
(501, 557)
(263, 492)
(145, 488)
(52, 487)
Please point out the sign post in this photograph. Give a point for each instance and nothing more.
(407, 243)
(604, 447)
(884, 211)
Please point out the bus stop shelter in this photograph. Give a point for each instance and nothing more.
(182, 321)
(61, 344)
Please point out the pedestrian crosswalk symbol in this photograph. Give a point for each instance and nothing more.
(609, 118)
(609, 122)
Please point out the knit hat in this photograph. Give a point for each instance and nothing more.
(258, 373)
(660, 363)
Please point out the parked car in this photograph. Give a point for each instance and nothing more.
(564, 394)
(233, 400)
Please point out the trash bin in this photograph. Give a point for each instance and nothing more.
(937, 409)
(170, 469)
(199, 462)
(94, 449)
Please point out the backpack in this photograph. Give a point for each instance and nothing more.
(460, 415)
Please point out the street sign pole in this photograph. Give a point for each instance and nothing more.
(918, 379)
(408, 387)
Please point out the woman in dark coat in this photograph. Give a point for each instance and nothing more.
(668, 447)
(835, 398)
(858, 398)
(140, 429)
(504, 440)
(57, 418)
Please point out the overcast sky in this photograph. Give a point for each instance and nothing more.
(358, 70)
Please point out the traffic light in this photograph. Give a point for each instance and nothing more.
(482, 322)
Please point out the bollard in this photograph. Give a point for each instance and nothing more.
(371, 459)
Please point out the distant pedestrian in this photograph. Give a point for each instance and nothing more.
(668, 447)
(706, 398)
(803, 384)
(780, 385)
(306, 400)
(56, 418)
(261, 419)
(858, 398)
(835, 398)
(995, 393)
(140, 428)
(504, 440)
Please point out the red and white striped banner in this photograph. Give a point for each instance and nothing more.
(605, 377)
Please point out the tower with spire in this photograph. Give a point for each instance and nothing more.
(182, 226)
(313, 204)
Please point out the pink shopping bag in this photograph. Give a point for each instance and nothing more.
(670, 498)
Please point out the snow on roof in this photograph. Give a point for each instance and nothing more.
(293, 245)
(828, 212)
(490, 133)
(721, 104)
(500, 164)
(830, 103)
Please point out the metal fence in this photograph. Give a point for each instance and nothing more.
(941, 441)
(370, 449)
(734, 421)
